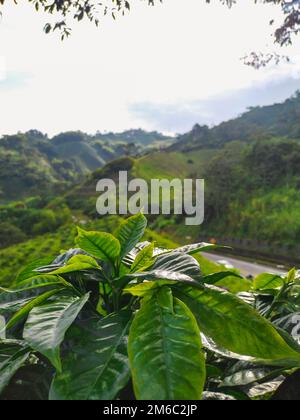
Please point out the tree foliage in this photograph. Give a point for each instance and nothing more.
(93, 11)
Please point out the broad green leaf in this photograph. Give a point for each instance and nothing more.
(200, 247)
(292, 275)
(24, 311)
(268, 281)
(12, 356)
(128, 260)
(177, 262)
(164, 275)
(165, 351)
(29, 270)
(234, 325)
(13, 300)
(96, 366)
(216, 277)
(235, 285)
(130, 232)
(77, 263)
(99, 244)
(145, 289)
(143, 258)
(209, 344)
(228, 280)
(250, 376)
(291, 324)
(47, 324)
(36, 282)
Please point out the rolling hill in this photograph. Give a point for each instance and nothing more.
(251, 167)
(32, 164)
(278, 120)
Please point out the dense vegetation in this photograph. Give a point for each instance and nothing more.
(252, 185)
(32, 163)
(145, 323)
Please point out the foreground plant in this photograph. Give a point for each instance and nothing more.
(115, 311)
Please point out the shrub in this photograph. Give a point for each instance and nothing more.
(115, 310)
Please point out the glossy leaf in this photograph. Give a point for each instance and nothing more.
(96, 366)
(268, 281)
(143, 258)
(177, 262)
(164, 275)
(24, 311)
(250, 376)
(291, 324)
(145, 289)
(99, 244)
(47, 324)
(29, 270)
(130, 232)
(77, 263)
(236, 326)
(165, 351)
(216, 277)
(199, 247)
(36, 282)
(12, 356)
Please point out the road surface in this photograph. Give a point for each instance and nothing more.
(246, 267)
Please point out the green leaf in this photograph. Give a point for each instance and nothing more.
(130, 232)
(200, 247)
(12, 356)
(250, 376)
(268, 281)
(177, 262)
(99, 244)
(145, 289)
(216, 277)
(234, 325)
(143, 258)
(165, 351)
(11, 302)
(24, 311)
(77, 263)
(36, 282)
(163, 275)
(29, 270)
(97, 366)
(47, 324)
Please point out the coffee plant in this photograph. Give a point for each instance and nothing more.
(116, 318)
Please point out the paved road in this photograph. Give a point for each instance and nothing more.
(246, 268)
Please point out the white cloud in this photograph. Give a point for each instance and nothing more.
(171, 54)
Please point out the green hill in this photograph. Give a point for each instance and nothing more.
(280, 120)
(252, 183)
(33, 164)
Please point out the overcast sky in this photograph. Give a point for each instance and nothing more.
(163, 68)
